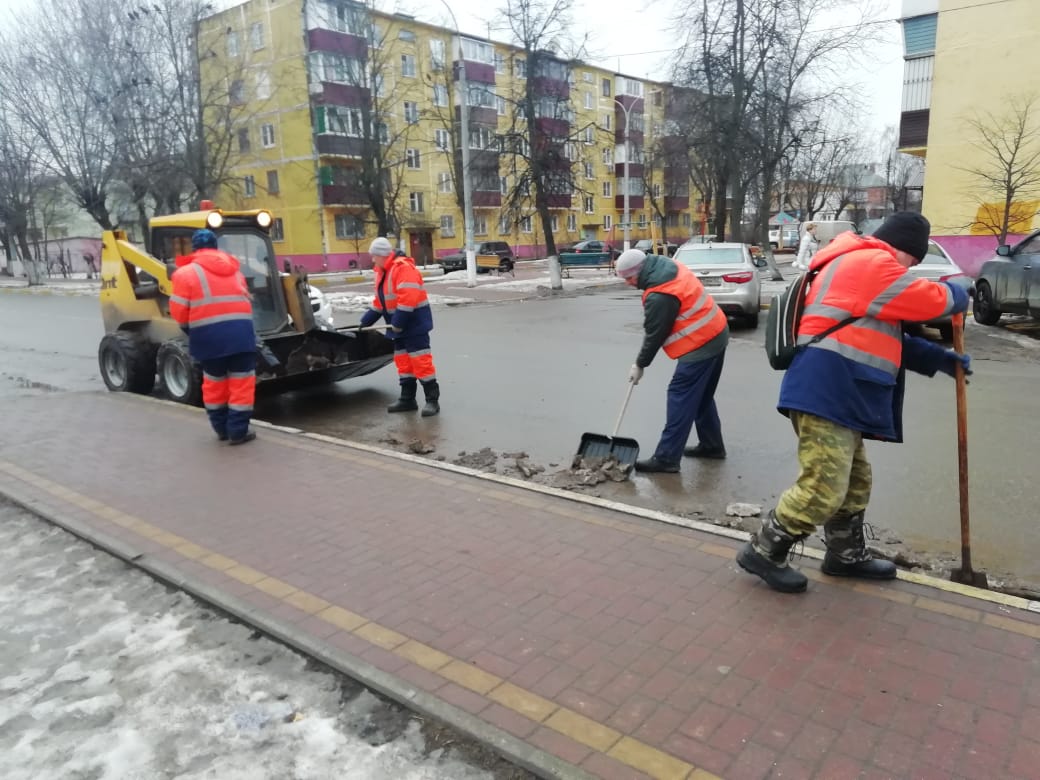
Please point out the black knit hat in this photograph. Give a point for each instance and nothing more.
(906, 230)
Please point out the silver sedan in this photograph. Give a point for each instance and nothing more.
(729, 273)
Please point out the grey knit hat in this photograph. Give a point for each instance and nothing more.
(629, 263)
(381, 247)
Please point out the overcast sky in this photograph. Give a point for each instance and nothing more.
(636, 37)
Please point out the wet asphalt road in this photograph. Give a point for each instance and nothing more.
(534, 376)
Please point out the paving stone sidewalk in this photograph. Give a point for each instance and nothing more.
(579, 639)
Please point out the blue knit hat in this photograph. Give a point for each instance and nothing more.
(204, 239)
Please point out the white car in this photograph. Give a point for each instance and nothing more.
(729, 273)
(321, 307)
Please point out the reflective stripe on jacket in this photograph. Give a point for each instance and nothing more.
(401, 297)
(861, 278)
(211, 301)
(699, 319)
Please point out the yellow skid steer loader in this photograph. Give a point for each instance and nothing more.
(142, 341)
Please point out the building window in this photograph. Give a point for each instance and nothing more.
(500, 62)
(589, 173)
(232, 44)
(503, 185)
(415, 202)
(249, 187)
(520, 68)
(267, 136)
(406, 35)
(442, 140)
(444, 183)
(349, 226)
(272, 182)
(607, 189)
(263, 85)
(673, 220)
(243, 140)
(440, 95)
(608, 223)
(572, 223)
(411, 112)
(642, 219)
(525, 225)
(589, 205)
(436, 54)
(589, 137)
(919, 35)
(408, 65)
(278, 230)
(256, 35)
(478, 51)
(606, 121)
(588, 100)
(586, 77)
(554, 224)
(503, 226)
(447, 226)
(686, 219)
(500, 105)
(411, 158)
(480, 226)
(237, 93)
(605, 87)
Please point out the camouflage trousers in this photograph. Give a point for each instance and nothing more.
(834, 478)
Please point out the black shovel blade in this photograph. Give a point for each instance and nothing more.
(596, 445)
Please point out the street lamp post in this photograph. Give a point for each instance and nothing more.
(467, 188)
(628, 217)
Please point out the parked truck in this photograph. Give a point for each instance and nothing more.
(142, 342)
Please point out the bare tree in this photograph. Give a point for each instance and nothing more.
(817, 167)
(20, 173)
(900, 170)
(1005, 184)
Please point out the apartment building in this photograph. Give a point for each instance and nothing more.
(966, 58)
(330, 102)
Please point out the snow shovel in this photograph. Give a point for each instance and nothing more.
(964, 575)
(595, 445)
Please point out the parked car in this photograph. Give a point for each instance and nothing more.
(1010, 282)
(786, 238)
(729, 273)
(646, 245)
(457, 261)
(595, 246)
(939, 267)
(321, 306)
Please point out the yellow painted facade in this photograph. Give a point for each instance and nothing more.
(272, 47)
(985, 57)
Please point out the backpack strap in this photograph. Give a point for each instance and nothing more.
(821, 336)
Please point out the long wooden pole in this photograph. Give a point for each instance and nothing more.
(962, 445)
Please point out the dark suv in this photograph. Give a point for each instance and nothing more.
(457, 261)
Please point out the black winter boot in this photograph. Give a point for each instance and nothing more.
(766, 556)
(432, 391)
(406, 403)
(847, 553)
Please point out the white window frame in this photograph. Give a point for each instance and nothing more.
(554, 223)
(440, 95)
(478, 51)
(267, 136)
(447, 226)
(526, 225)
(444, 183)
(415, 202)
(412, 159)
(607, 118)
(437, 56)
(256, 35)
(590, 137)
(589, 172)
(608, 190)
(480, 226)
(411, 112)
(520, 68)
(589, 103)
(408, 66)
(500, 105)
(608, 156)
(442, 139)
(232, 44)
(504, 227)
(263, 85)
(342, 221)
(248, 187)
(272, 178)
(590, 205)
(608, 222)
(572, 223)
(278, 230)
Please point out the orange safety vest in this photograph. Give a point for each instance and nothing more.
(699, 319)
(203, 296)
(399, 284)
(868, 283)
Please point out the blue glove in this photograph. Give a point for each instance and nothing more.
(949, 365)
(960, 297)
(390, 334)
(369, 318)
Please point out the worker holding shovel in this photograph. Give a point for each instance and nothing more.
(848, 386)
(680, 317)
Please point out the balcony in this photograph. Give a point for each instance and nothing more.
(478, 72)
(487, 200)
(634, 202)
(559, 201)
(339, 145)
(342, 195)
(676, 202)
(342, 94)
(635, 137)
(550, 87)
(555, 128)
(635, 170)
(336, 43)
(913, 132)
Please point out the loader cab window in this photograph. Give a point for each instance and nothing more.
(257, 264)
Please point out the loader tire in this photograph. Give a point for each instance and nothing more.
(127, 362)
(180, 376)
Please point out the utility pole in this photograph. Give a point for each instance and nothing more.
(628, 155)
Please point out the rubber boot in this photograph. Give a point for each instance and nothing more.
(847, 553)
(406, 403)
(432, 391)
(766, 556)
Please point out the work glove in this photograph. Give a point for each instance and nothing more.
(635, 374)
(390, 334)
(369, 318)
(949, 364)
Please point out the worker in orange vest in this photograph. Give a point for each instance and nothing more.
(400, 299)
(212, 304)
(680, 317)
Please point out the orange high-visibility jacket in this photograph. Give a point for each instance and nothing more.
(401, 298)
(699, 319)
(211, 302)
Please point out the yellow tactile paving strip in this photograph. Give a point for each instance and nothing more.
(563, 720)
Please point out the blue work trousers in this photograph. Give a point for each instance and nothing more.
(691, 401)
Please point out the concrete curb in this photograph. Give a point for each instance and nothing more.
(511, 748)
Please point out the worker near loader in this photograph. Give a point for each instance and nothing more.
(211, 303)
(680, 317)
(400, 299)
(848, 386)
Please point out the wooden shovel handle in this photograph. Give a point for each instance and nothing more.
(962, 442)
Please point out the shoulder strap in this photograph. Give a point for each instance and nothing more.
(821, 336)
